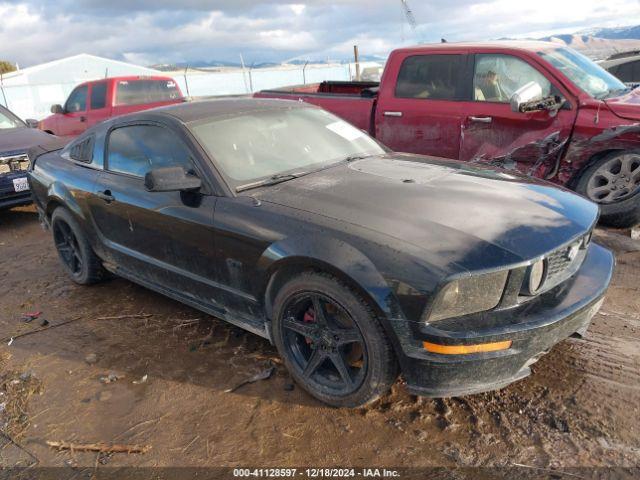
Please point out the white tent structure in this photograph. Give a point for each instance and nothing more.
(30, 92)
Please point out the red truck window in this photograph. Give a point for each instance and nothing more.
(498, 76)
(98, 95)
(77, 101)
(436, 77)
(135, 92)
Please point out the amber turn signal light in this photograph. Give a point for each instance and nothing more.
(466, 349)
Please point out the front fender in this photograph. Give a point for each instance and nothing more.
(351, 266)
(335, 255)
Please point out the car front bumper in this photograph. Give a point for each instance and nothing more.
(8, 196)
(533, 328)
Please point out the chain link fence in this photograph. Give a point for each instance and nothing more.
(35, 100)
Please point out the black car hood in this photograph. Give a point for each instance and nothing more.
(20, 140)
(472, 216)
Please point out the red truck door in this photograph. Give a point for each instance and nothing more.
(74, 119)
(492, 133)
(419, 107)
(99, 103)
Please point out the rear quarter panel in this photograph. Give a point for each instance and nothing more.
(57, 181)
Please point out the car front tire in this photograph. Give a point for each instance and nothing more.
(331, 341)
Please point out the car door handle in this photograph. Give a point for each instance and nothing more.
(105, 195)
(83, 119)
(481, 119)
(392, 114)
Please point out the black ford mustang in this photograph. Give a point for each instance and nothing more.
(355, 261)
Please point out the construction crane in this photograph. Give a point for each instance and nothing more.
(409, 14)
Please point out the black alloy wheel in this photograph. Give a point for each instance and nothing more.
(326, 345)
(77, 256)
(68, 247)
(332, 342)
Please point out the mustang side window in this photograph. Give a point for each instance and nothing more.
(77, 101)
(436, 77)
(498, 76)
(137, 149)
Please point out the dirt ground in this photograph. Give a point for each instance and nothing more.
(171, 365)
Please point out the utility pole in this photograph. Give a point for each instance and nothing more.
(357, 59)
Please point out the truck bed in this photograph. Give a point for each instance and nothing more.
(352, 101)
(358, 89)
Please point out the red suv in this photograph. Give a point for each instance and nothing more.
(93, 102)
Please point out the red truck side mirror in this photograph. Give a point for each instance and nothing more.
(57, 108)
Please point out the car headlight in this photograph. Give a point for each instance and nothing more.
(468, 295)
(534, 277)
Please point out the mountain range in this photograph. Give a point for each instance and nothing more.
(597, 43)
(600, 43)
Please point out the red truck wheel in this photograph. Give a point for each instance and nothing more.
(614, 183)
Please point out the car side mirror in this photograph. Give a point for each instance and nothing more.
(31, 122)
(171, 179)
(525, 95)
(57, 108)
(529, 99)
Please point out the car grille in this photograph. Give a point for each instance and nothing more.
(565, 261)
(559, 265)
(14, 163)
(560, 260)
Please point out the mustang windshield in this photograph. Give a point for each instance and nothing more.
(7, 121)
(270, 146)
(584, 73)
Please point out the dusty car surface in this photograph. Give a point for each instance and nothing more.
(355, 261)
(463, 101)
(16, 139)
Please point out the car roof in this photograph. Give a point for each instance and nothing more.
(129, 78)
(194, 111)
(619, 61)
(526, 45)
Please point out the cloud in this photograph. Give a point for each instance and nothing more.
(155, 31)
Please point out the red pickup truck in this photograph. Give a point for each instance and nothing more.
(536, 107)
(92, 102)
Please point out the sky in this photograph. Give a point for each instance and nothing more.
(149, 32)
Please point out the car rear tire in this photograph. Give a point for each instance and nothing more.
(614, 183)
(342, 356)
(77, 257)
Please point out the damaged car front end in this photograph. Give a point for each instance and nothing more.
(495, 268)
(532, 307)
